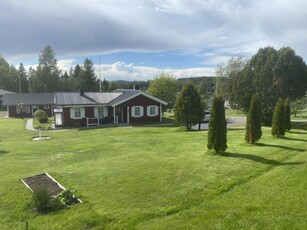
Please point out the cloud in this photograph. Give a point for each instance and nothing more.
(123, 71)
(78, 28)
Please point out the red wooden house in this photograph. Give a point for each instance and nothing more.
(88, 108)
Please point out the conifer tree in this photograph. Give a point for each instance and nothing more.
(189, 108)
(278, 123)
(217, 134)
(253, 122)
(287, 113)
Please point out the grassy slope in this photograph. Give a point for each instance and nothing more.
(155, 178)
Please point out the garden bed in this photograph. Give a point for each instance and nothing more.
(43, 181)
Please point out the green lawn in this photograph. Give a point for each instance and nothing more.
(156, 178)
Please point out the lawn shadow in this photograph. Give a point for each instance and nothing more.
(260, 159)
(294, 139)
(3, 152)
(280, 146)
(295, 132)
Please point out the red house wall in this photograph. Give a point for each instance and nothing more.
(141, 101)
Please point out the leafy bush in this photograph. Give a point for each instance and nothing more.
(67, 197)
(41, 116)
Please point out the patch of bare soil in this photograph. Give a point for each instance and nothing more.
(43, 181)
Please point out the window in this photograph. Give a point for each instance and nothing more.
(152, 110)
(23, 109)
(101, 112)
(137, 111)
(46, 106)
(77, 113)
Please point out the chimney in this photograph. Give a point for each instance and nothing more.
(81, 92)
(136, 87)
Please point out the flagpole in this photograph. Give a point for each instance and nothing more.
(99, 75)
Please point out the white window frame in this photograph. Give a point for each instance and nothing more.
(101, 112)
(155, 110)
(77, 113)
(23, 109)
(137, 108)
(46, 106)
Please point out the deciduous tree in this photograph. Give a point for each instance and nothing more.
(164, 87)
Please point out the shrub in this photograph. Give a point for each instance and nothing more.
(67, 197)
(253, 121)
(217, 133)
(279, 123)
(42, 200)
(41, 116)
(287, 113)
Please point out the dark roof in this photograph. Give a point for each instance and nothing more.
(86, 99)
(103, 98)
(28, 99)
(3, 92)
(71, 99)
(129, 94)
(124, 96)
(114, 98)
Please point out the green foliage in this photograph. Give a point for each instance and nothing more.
(287, 113)
(42, 200)
(189, 106)
(41, 116)
(47, 74)
(217, 133)
(273, 74)
(164, 87)
(279, 121)
(253, 122)
(67, 197)
(226, 74)
(88, 79)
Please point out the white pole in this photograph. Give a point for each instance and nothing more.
(99, 75)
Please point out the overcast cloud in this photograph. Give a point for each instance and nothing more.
(192, 35)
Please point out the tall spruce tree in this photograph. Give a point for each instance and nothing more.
(189, 107)
(217, 134)
(287, 113)
(253, 122)
(278, 123)
(47, 73)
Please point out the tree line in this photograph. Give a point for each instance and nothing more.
(47, 77)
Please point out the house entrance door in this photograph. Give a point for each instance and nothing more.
(58, 119)
(124, 120)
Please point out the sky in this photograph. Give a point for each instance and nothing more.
(140, 39)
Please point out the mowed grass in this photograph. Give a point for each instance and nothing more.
(156, 178)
